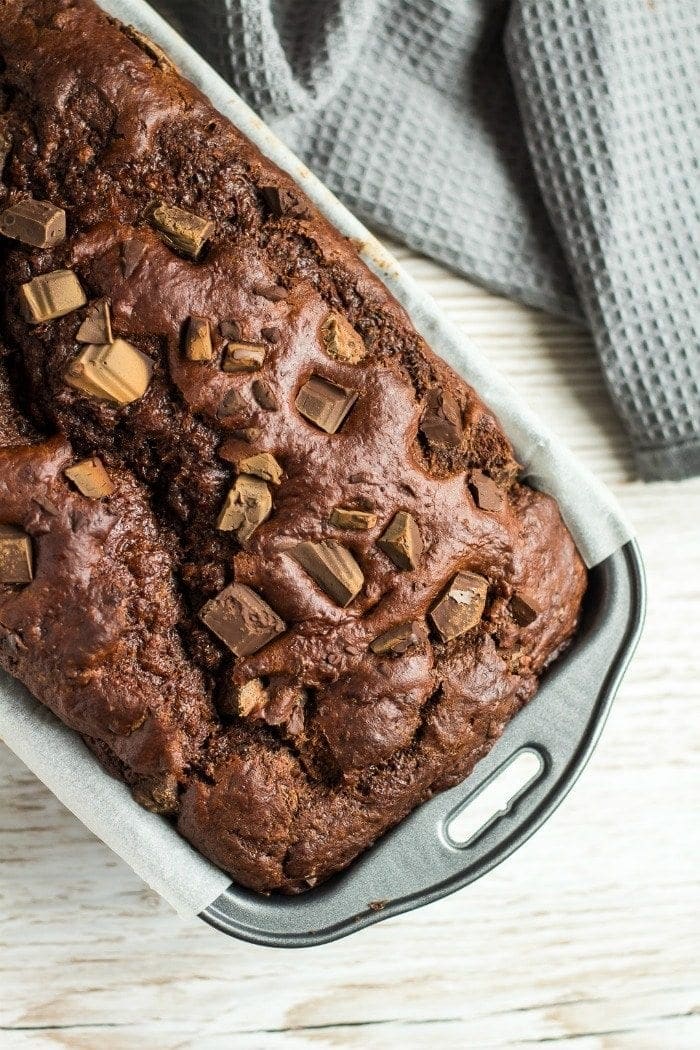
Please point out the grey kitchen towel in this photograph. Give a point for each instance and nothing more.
(548, 149)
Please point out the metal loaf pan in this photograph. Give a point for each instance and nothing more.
(417, 862)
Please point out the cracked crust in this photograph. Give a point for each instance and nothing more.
(341, 742)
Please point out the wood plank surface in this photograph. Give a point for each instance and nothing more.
(587, 937)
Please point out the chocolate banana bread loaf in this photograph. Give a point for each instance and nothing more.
(263, 550)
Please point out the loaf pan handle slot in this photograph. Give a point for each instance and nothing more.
(494, 799)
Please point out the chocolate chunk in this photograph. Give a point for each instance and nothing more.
(285, 706)
(273, 292)
(399, 639)
(249, 434)
(233, 403)
(487, 494)
(34, 222)
(198, 340)
(230, 330)
(274, 198)
(271, 334)
(158, 794)
(281, 201)
(524, 608)
(332, 567)
(90, 477)
(280, 703)
(131, 252)
(349, 518)
(341, 341)
(247, 505)
(244, 357)
(290, 718)
(150, 47)
(402, 541)
(15, 555)
(51, 295)
(242, 620)
(441, 422)
(325, 404)
(250, 698)
(117, 372)
(97, 326)
(461, 607)
(180, 229)
(265, 395)
(260, 464)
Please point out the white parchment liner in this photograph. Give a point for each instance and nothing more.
(57, 755)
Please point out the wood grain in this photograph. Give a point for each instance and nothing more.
(588, 936)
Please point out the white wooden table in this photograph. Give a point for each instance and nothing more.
(589, 936)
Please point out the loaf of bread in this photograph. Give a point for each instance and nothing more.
(263, 550)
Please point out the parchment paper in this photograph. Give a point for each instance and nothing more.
(57, 755)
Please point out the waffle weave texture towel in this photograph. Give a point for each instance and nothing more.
(548, 149)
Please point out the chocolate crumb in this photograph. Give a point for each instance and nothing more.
(280, 201)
